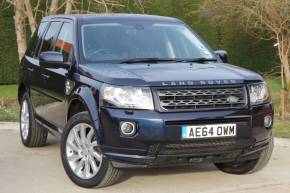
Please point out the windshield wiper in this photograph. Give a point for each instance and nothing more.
(148, 60)
(155, 60)
(198, 60)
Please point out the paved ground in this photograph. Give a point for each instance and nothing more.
(39, 170)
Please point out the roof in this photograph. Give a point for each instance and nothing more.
(113, 16)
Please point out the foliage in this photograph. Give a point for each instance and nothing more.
(10, 113)
(281, 128)
(8, 92)
(8, 49)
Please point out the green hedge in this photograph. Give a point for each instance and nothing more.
(243, 49)
(8, 49)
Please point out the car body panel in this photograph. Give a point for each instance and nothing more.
(168, 74)
(53, 96)
(88, 96)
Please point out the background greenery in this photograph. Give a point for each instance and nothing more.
(243, 49)
(8, 48)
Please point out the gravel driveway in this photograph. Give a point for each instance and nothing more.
(39, 170)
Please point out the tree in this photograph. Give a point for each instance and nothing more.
(53, 7)
(69, 6)
(30, 16)
(263, 19)
(19, 27)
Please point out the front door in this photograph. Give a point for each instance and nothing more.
(54, 79)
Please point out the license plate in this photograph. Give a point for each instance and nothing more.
(209, 131)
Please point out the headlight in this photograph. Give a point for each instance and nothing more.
(127, 97)
(258, 93)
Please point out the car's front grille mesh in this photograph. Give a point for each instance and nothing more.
(205, 98)
(203, 146)
(189, 147)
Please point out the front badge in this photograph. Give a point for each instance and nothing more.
(232, 99)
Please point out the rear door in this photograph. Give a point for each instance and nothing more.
(41, 100)
(32, 68)
(54, 79)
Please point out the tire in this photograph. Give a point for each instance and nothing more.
(74, 150)
(250, 166)
(31, 134)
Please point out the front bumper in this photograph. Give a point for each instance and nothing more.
(241, 152)
(158, 141)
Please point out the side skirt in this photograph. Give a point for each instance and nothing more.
(53, 130)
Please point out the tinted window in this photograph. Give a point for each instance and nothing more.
(36, 39)
(64, 41)
(47, 44)
(128, 40)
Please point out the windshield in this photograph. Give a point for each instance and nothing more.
(124, 41)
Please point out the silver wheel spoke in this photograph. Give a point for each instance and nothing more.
(76, 137)
(90, 135)
(83, 134)
(73, 157)
(93, 164)
(79, 166)
(72, 146)
(97, 156)
(87, 168)
(94, 144)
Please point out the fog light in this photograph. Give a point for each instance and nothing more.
(268, 121)
(128, 128)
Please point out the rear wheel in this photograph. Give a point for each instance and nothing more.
(250, 166)
(82, 159)
(31, 134)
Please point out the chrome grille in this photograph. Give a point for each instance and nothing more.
(202, 98)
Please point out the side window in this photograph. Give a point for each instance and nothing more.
(36, 39)
(48, 41)
(64, 41)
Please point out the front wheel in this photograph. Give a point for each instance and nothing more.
(250, 166)
(82, 159)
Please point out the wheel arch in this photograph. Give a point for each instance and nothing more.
(85, 99)
(21, 90)
(75, 106)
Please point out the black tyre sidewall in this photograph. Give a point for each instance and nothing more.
(250, 166)
(244, 168)
(86, 183)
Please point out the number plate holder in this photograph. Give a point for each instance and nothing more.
(209, 131)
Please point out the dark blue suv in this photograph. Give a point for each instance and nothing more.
(136, 91)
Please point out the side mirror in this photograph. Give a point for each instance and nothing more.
(52, 59)
(223, 55)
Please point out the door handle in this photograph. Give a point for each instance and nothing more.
(30, 69)
(45, 76)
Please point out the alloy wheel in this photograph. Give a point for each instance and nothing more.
(82, 151)
(24, 120)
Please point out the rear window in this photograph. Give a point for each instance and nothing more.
(36, 39)
(49, 38)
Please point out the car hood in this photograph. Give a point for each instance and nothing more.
(168, 74)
